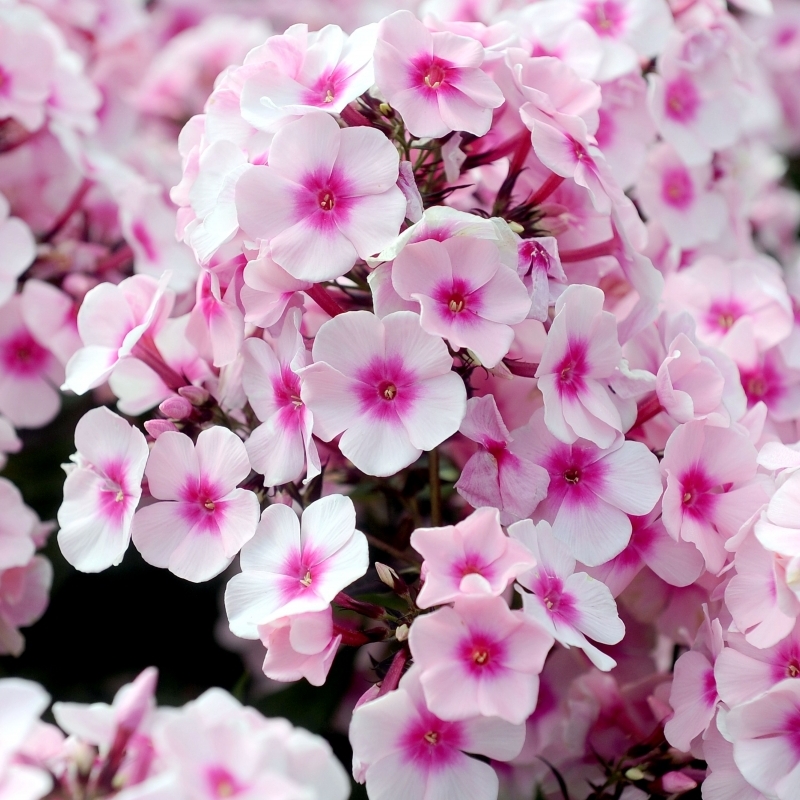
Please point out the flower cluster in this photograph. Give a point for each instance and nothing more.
(503, 294)
(211, 748)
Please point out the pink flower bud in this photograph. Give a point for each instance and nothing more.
(194, 394)
(176, 408)
(155, 427)
(677, 782)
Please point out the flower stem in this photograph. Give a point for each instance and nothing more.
(321, 297)
(395, 672)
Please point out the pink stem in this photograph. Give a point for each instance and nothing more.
(394, 674)
(122, 256)
(366, 609)
(147, 351)
(523, 369)
(546, 189)
(648, 408)
(65, 216)
(321, 297)
(607, 248)
(354, 118)
(349, 636)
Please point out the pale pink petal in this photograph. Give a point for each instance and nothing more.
(173, 462)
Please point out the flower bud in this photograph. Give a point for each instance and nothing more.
(677, 782)
(387, 574)
(176, 408)
(196, 395)
(155, 427)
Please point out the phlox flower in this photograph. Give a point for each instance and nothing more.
(24, 596)
(111, 321)
(473, 557)
(592, 491)
(723, 779)
(692, 92)
(112, 726)
(49, 315)
(497, 475)
(300, 646)
(216, 323)
(281, 448)
(626, 131)
(295, 567)
(569, 605)
(682, 199)
(700, 464)
(385, 385)
(434, 80)
(693, 694)
(327, 197)
(494, 654)
(102, 490)
(17, 246)
(29, 372)
(762, 594)
(690, 385)
(743, 672)
(764, 736)
(405, 752)
(627, 30)
(539, 267)
(466, 294)
(27, 67)
(733, 302)
(205, 519)
(677, 563)
(17, 526)
(21, 704)
(298, 71)
(268, 291)
(580, 357)
(215, 748)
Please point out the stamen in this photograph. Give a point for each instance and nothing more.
(306, 581)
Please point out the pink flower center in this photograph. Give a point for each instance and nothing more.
(456, 304)
(21, 354)
(793, 670)
(326, 200)
(681, 100)
(435, 75)
(607, 17)
(432, 738)
(222, 783)
(762, 383)
(387, 390)
(480, 656)
(722, 316)
(676, 188)
(532, 257)
(572, 475)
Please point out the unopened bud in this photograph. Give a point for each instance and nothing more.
(516, 227)
(155, 427)
(677, 782)
(176, 408)
(196, 395)
(634, 774)
(387, 575)
(385, 109)
(401, 633)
